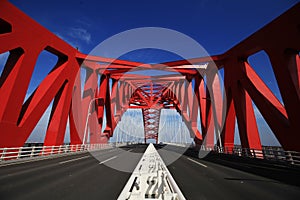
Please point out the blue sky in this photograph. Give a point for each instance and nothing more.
(217, 25)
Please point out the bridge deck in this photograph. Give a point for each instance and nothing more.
(82, 177)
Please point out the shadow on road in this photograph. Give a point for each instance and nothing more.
(282, 172)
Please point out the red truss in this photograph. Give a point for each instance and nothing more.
(186, 92)
(151, 123)
(151, 98)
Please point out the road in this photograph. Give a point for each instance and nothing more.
(207, 179)
(71, 177)
(82, 176)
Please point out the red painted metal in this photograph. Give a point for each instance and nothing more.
(151, 123)
(187, 91)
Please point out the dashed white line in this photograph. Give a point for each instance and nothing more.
(17, 163)
(66, 161)
(112, 150)
(197, 162)
(107, 160)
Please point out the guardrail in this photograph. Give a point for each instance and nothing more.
(178, 144)
(38, 151)
(34, 151)
(268, 153)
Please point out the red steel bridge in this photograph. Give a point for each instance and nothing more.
(191, 87)
(24, 39)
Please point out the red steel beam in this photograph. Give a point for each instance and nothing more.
(25, 39)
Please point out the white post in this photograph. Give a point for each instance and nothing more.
(85, 129)
(87, 119)
(117, 138)
(32, 151)
(52, 148)
(20, 152)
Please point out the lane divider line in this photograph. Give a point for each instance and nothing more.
(151, 179)
(197, 162)
(108, 160)
(67, 161)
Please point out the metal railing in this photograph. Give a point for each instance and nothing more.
(37, 151)
(268, 153)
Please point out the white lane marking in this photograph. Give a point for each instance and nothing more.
(107, 160)
(197, 162)
(130, 150)
(66, 161)
(151, 177)
(17, 163)
(35, 159)
(112, 150)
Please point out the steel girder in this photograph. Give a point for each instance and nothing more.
(188, 93)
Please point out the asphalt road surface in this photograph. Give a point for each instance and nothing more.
(82, 176)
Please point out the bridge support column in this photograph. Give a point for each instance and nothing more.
(246, 119)
(229, 126)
